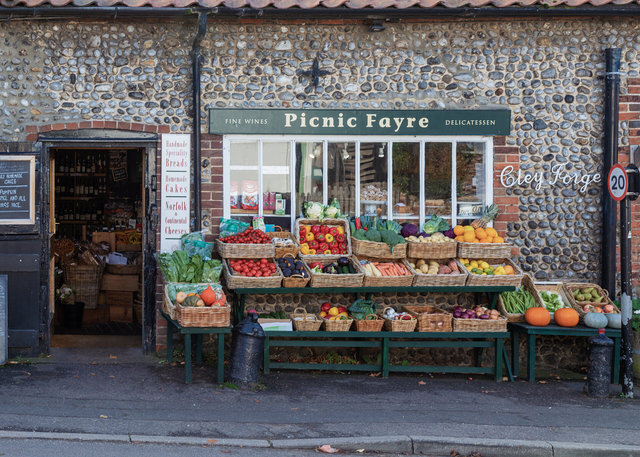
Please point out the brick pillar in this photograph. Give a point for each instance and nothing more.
(504, 156)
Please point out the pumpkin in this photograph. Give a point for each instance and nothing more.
(191, 300)
(537, 316)
(595, 320)
(566, 317)
(180, 296)
(208, 296)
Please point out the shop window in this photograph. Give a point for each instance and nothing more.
(406, 179)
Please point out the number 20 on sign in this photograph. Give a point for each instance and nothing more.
(618, 182)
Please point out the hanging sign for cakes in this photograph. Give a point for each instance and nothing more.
(176, 190)
(559, 176)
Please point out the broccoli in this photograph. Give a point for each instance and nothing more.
(374, 235)
(360, 234)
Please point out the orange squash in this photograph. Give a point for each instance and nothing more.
(537, 316)
(208, 296)
(566, 317)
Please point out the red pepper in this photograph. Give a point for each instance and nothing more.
(340, 238)
(333, 244)
(335, 251)
(324, 229)
(358, 224)
(302, 232)
(320, 237)
(341, 245)
(323, 247)
(313, 244)
(333, 231)
(315, 229)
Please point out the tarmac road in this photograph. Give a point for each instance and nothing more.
(125, 393)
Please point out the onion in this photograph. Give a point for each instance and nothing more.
(484, 316)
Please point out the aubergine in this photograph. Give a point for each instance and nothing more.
(343, 261)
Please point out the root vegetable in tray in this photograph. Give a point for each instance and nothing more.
(380, 269)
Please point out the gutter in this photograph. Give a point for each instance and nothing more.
(314, 13)
(196, 56)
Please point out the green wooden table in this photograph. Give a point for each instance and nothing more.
(384, 341)
(530, 331)
(173, 325)
(241, 294)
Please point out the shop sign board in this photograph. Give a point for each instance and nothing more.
(175, 209)
(17, 189)
(4, 340)
(360, 122)
(510, 177)
(618, 182)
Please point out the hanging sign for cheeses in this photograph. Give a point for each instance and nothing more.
(17, 190)
(175, 211)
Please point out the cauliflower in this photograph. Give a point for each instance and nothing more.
(313, 210)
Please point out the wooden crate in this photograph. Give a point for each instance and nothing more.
(109, 237)
(118, 313)
(128, 283)
(121, 298)
(99, 315)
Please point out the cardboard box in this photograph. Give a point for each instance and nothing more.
(121, 298)
(121, 283)
(99, 315)
(109, 237)
(119, 313)
(276, 324)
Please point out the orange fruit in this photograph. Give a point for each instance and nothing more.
(469, 236)
(459, 238)
(458, 230)
(468, 228)
(498, 239)
(489, 239)
(485, 240)
(491, 232)
(508, 269)
(480, 233)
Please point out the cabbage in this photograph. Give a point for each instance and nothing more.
(313, 210)
(333, 210)
(435, 224)
(409, 230)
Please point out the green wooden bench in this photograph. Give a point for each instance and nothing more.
(384, 342)
(173, 325)
(530, 332)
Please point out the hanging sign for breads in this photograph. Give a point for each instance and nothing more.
(118, 165)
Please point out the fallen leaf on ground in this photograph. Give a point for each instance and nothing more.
(360, 451)
(422, 383)
(484, 391)
(226, 452)
(112, 377)
(293, 409)
(102, 416)
(256, 400)
(212, 441)
(114, 357)
(375, 375)
(94, 363)
(327, 449)
(26, 372)
(542, 382)
(92, 374)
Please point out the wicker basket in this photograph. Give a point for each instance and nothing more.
(556, 288)
(337, 280)
(207, 316)
(331, 222)
(295, 280)
(245, 251)
(282, 250)
(385, 281)
(399, 325)
(578, 305)
(527, 284)
(430, 318)
(497, 280)
(423, 280)
(168, 306)
(432, 250)
(304, 321)
(124, 269)
(484, 250)
(378, 250)
(369, 325)
(236, 281)
(480, 325)
(85, 281)
(337, 325)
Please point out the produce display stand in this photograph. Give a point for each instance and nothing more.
(517, 329)
(173, 325)
(240, 294)
(384, 341)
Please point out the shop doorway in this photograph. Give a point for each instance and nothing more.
(102, 226)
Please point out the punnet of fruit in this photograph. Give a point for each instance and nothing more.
(249, 236)
(482, 267)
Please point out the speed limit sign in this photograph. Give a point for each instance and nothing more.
(618, 182)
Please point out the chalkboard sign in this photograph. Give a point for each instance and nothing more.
(17, 190)
(3, 320)
(118, 165)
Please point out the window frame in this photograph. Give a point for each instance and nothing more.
(357, 140)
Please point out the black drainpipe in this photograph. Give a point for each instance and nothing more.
(196, 57)
(612, 86)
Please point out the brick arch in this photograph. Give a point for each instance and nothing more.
(33, 130)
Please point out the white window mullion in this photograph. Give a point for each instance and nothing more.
(226, 178)
(357, 189)
(325, 172)
(292, 183)
(260, 189)
(422, 183)
(389, 182)
(454, 190)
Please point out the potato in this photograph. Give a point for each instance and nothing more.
(419, 263)
(424, 269)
